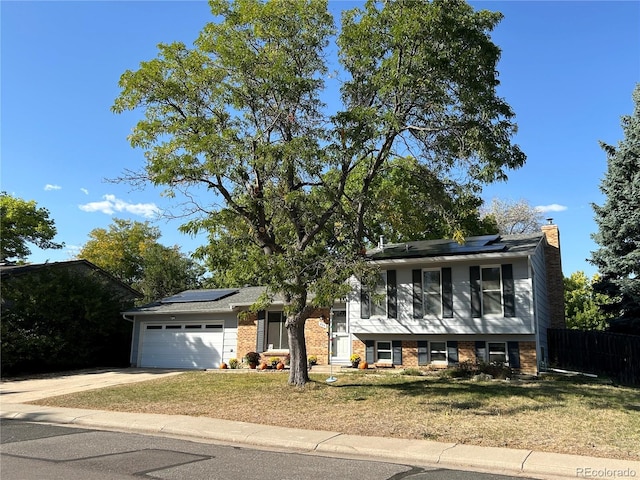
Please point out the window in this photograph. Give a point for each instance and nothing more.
(173, 327)
(498, 353)
(432, 296)
(276, 331)
(438, 351)
(491, 291)
(154, 327)
(379, 298)
(383, 352)
(376, 301)
(193, 327)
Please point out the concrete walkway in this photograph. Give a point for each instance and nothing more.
(517, 462)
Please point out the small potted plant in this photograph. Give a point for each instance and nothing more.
(312, 360)
(233, 363)
(273, 361)
(253, 359)
(355, 360)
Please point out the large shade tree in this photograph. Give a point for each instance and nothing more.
(130, 251)
(22, 223)
(238, 123)
(618, 219)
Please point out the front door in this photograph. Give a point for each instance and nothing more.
(341, 345)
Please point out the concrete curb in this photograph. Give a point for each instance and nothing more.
(421, 452)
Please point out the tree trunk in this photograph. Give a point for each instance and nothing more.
(298, 373)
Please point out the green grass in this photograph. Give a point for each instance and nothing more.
(558, 415)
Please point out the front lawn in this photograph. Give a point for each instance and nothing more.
(554, 414)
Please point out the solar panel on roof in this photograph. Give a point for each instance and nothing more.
(190, 296)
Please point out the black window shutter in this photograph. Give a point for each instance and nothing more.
(514, 354)
(474, 278)
(423, 352)
(365, 306)
(392, 294)
(369, 351)
(261, 330)
(397, 352)
(481, 351)
(447, 293)
(417, 294)
(452, 352)
(508, 291)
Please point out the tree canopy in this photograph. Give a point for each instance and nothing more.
(239, 122)
(513, 217)
(582, 304)
(618, 219)
(21, 223)
(130, 251)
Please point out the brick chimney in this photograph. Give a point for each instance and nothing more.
(555, 283)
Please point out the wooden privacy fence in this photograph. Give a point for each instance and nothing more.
(615, 355)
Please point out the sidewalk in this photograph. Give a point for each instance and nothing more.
(418, 452)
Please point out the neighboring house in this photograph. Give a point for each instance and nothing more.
(437, 303)
(62, 315)
(81, 267)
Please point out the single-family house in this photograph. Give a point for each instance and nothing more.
(124, 292)
(437, 303)
(62, 315)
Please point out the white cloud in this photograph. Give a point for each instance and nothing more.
(111, 204)
(85, 191)
(554, 207)
(73, 250)
(48, 187)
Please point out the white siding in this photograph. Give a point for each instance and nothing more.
(541, 302)
(462, 321)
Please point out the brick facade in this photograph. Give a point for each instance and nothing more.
(555, 279)
(315, 335)
(528, 356)
(466, 353)
(410, 354)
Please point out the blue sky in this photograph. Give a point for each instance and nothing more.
(568, 70)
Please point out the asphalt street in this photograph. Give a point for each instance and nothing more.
(33, 451)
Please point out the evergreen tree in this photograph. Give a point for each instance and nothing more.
(618, 219)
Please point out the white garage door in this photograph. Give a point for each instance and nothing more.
(181, 345)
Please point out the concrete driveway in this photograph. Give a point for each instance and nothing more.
(31, 389)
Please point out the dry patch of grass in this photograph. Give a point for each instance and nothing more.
(555, 415)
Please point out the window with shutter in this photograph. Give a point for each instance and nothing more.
(492, 291)
(374, 304)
